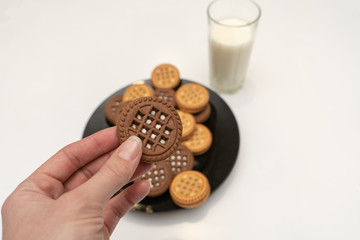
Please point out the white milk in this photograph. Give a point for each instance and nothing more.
(230, 49)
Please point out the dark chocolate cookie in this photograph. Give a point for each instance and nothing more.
(204, 115)
(155, 122)
(160, 178)
(166, 94)
(181, 160)
(112, 107)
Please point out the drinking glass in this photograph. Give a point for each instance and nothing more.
(231, 32)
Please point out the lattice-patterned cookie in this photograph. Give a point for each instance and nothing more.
(200, 141)
(189, 189)
(192, 97)
(188, 122)
(181, 160)
(155, 122)
(165, 76)
(160, 178)
(166, 94)
(138, 90)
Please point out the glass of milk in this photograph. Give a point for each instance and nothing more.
(232, 27)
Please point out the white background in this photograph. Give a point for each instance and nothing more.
(297, 175)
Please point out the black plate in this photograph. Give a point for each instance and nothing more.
(216, 164)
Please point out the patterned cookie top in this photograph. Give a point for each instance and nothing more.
(192, 97)
(166, 94)
(181, 160)
(189, 189)
(155, 122)
(160, 178)
(165, 76)
(200, 141)
(138, 90)
(188, 122)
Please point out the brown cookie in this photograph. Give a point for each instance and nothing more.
(112, 107)
(166, 94)
(138, 90)
(188, 123)
(165, 76)
(204, 115)
(160, 178)
(155, 122)
(192, 97)
(189, 189)
(181, 160)
(200, 141)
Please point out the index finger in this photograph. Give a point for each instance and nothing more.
(76, 155)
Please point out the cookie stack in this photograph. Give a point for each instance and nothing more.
(168, 119)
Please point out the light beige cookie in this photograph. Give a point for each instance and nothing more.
(136, 91)
(188, 122)
(200, 141)
(165, 76)
(192, 97)
(189, 189)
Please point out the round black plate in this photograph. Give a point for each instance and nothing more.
(216, 164)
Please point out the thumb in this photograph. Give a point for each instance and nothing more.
(115, 173)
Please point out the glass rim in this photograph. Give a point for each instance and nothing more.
(235, 26)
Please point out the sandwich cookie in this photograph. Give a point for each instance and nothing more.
(165, 76)
(200, 141)
(204, 115)
(189, 189)
(138, 90)
(188, 122)
(192, 97)
(159, 177)
(166, 94)
(155, 122)
(111, 108)
(181, 160)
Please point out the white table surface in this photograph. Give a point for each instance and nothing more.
(297, 175)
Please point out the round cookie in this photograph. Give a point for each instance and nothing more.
(155, 122)
(188, 122)
(204, 115)
(200, 141)
(160, 178)
(181, 160)
(113, 110)
(166, 94)
(112, 107)
(189, 189)
(137, 91)
(192, 97)
(165, 76)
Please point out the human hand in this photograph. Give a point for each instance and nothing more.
(68, 197)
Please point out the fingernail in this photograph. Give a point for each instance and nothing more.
(130, 149)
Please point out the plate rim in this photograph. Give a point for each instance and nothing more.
(220, 176)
